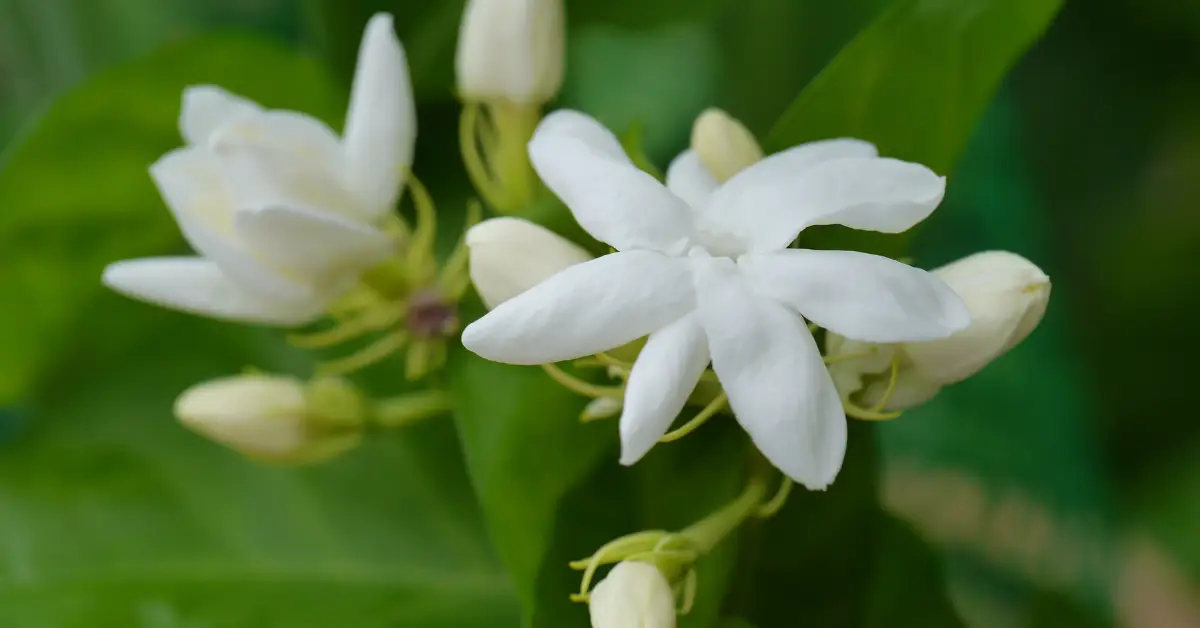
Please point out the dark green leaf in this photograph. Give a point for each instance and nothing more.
(76, 194)
(112, 515)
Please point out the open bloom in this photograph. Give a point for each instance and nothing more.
(283, 213)
(706, 272)
(634, 595)
(1007, 296)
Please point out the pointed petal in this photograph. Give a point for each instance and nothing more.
(688, 179)
(198, 286)
(310, 241)
(579, 125)
(585, 309)
(860, 296)
(771, 369)
(192, 185)
(381, 124)
(769, 203)
(662, 379)
(206, 108)
(609, 197)
(284, 158)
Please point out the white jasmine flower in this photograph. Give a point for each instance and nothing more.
(1006, 295)
(509, 256)
(511, 50)
(283, 213)
(634, 595)
(705, 271)
(270, 418)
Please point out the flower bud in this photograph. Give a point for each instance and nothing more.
(512, 50)
(633, 594)
(1007, 296)
(601, 408)
(509, 256)
(724, 145)
(274, 419)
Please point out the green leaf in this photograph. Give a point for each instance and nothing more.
(917, 79)
(907, 585)
(111, 514)
(75, 193)
(525, 448)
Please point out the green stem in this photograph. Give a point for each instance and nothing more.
(514, 127)
(403, 410)
(711, 530)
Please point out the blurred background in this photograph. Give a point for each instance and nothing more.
(1060, 487)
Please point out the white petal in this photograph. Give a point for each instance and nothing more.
(509, 256)
(198, 286)
(912, 389)
(381, 124)
(585, 309)
(284, 158)
(769, 203)
(206, 108)
(688, 179)
(611, 198)
(579, 125)
(663, 377)
(771, 369)
(860, 296)
(312, 242)
(191, 183)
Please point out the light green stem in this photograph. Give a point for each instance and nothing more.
(407, 409)
(711, 530)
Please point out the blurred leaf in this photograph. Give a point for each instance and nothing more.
(907, 587)
(916, 80)
(75, 193)
(734, 623)
(659, 79)
(525, 449)
(112, 515)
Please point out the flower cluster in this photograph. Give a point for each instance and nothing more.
(707, 297)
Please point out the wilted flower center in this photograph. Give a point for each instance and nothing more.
(430, 316)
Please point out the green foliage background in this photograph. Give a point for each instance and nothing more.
(1056, 488)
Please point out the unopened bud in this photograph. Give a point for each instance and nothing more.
(273, 418)
(724, 145)
(602, 408)
(511, 50)
(633, 594)
(509, 256)
(1007, 296)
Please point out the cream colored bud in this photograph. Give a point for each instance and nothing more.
(1007, 296)
(511, 50)
(509, 256)
(602, 408)
(272, 418)
(724, 145)
(633, 594)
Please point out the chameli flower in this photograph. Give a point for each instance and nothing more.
(282, 212)
(705, 271)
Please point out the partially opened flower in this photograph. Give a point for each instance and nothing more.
(282, 212)
(1007, 296)
(706, 272)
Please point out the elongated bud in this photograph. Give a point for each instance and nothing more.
(724, 145)
(633, 594)
(511, 50)
(509, 256)
(1007, 296)
(273, 418)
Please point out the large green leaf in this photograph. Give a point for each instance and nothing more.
(525, 449)
(915, 81)
(75, 193)
(111, 515)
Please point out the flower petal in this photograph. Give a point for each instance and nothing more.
(860, 296)
(768, 204)
(198, 286)
(585, 309)
(311, 241)
(284, 158)
(771, 369)
(610, 198)
(688, 179)
(381, 124)
(191, 183)
(662, 379)
(206, 108)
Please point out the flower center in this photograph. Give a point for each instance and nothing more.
(430, 316)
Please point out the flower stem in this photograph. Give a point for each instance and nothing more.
(410, 408)
(711, 530)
